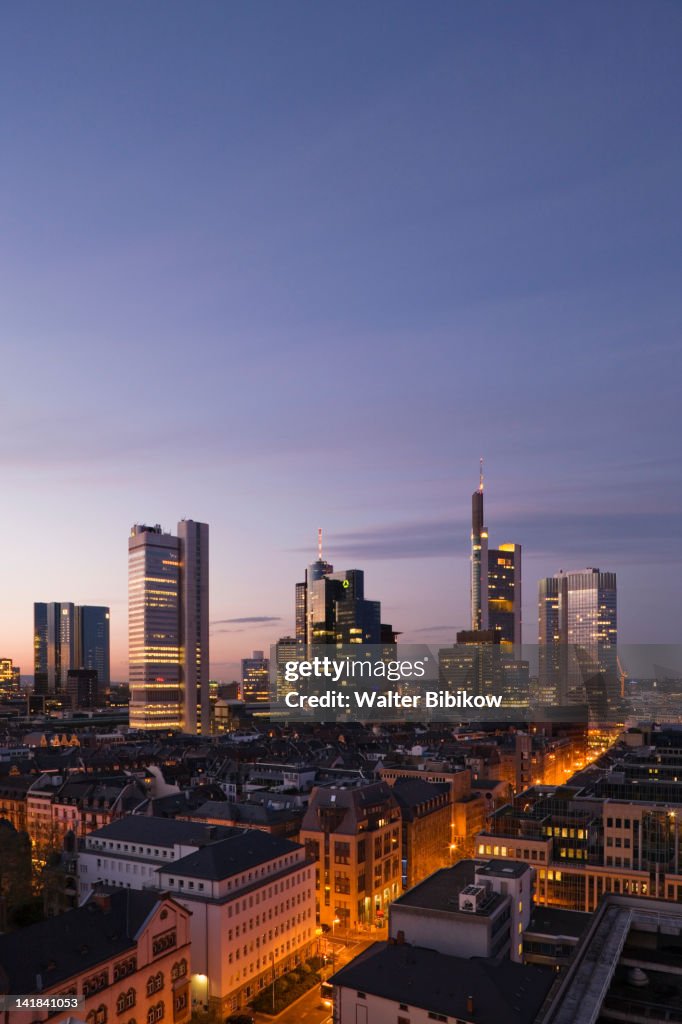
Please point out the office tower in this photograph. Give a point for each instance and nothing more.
(194, 646)
(256, 678)
(168, 627)
(287, 648)
(317, 570)
(92, 624)
(54, 645)
(68, 636)
(577, 635)
(495, 578)
(331, 608)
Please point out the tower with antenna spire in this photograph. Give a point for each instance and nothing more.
(317, 570)
(495, 578)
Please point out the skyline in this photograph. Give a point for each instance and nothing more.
(281, 269)
(273, 626)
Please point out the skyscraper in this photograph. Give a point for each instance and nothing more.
(578, 633)
(92, 624)
(331, 607)
(193, 538)
(495, 578)
(65, 637)
(168, 627)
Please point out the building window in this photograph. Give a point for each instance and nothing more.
(155, 1013)
(155, 983)
(167, 940)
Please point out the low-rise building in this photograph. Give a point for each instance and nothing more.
(126, 954)
(251, 896)
(402, 984)
(471, 909)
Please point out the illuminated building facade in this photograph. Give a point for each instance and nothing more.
(495, 579)
(10, 676)
(256, 678)
(68, 637)
(168, 627)
(355, 834)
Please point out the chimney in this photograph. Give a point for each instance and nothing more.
(102, 900)
(470, 1005)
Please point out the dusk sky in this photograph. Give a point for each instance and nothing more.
(284, 265)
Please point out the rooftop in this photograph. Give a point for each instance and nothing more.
(440, 892)
(441, 984)
(43, 955)
(168, 832)
(243, 849)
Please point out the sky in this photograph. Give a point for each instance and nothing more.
(282, 266)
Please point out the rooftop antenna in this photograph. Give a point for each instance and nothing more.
(319, 544)
(480, 476)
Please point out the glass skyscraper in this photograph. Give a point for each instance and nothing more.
(578, 634)
(68, 637)
(495, 579)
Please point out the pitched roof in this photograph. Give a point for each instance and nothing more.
(48, 953)
(245, 848)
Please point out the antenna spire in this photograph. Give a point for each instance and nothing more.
(480, 477)
(319, 543)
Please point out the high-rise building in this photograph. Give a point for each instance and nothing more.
(495, 578)
(68, 636)
(578, 633)
(193, 538)
(93, 632)
(331, 607)
(168, 627)
(256, 678)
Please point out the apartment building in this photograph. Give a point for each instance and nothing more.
(427, 836)
(354, 834)
(127, 955)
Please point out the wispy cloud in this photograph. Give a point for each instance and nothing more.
(247, 619)
(630, 536)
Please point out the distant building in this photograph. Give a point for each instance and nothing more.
(82, 688)
(65, 637)
(495, 579)
(10, 675)
(331, 608)
(168, 627)
(256, 678)
(577, 637)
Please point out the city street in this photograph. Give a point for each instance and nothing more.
(309, 1009)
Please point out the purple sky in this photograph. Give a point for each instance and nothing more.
(279, 266)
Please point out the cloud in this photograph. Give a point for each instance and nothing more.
(434, 629)
(247, 619)
(628, 536)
